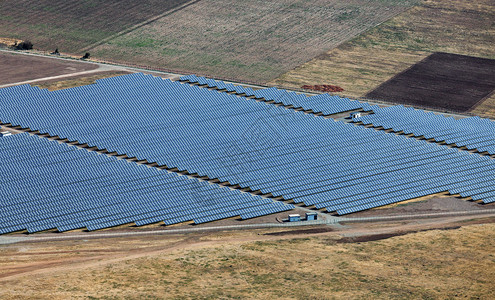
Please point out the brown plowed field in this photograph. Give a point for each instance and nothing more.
(17, 68)
(443, 81)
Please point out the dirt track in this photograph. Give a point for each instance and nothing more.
(19, 68)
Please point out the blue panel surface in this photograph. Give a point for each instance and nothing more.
(311, 160)
(48, 185)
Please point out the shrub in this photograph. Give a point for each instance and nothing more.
(26, 45)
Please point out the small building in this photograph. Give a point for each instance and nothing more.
(311, 216)
(5, 133)
(294, 218)
(356, 115)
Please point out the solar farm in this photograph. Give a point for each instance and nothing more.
(202, 150)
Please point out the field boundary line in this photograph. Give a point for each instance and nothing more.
(132, 28)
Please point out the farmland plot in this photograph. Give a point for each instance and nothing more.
(441, 81)
(253, 41)
(72, 25)
(365, 62)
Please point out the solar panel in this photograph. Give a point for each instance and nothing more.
(324, 103)
(473, 132)
(49, 185)
(255, 145)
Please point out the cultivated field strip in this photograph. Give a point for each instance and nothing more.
(73, 25)
(379, 54)
(50, 185)
(322, 104)
(252, 40)
(247, 144)
(472, 133)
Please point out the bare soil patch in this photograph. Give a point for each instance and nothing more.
(441, 81)
(301, 231)
(328, 88)
(370, 238)
(367, 237)
(18, 68)
(77, 80)
(384, 236)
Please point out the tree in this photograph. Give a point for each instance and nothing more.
(26, 45)
(86, 56)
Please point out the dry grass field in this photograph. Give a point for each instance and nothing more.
(73, 25)
(261, 264)
(362, 64)
(252, 41)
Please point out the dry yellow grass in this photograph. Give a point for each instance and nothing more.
(419, 199)
(486, 108)
(433, 264)
(9, 42)
(54, 85)
(360, 65)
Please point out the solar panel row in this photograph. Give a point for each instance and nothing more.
(49, 185)
(472, 133)
(313, 160)
(323, 103)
